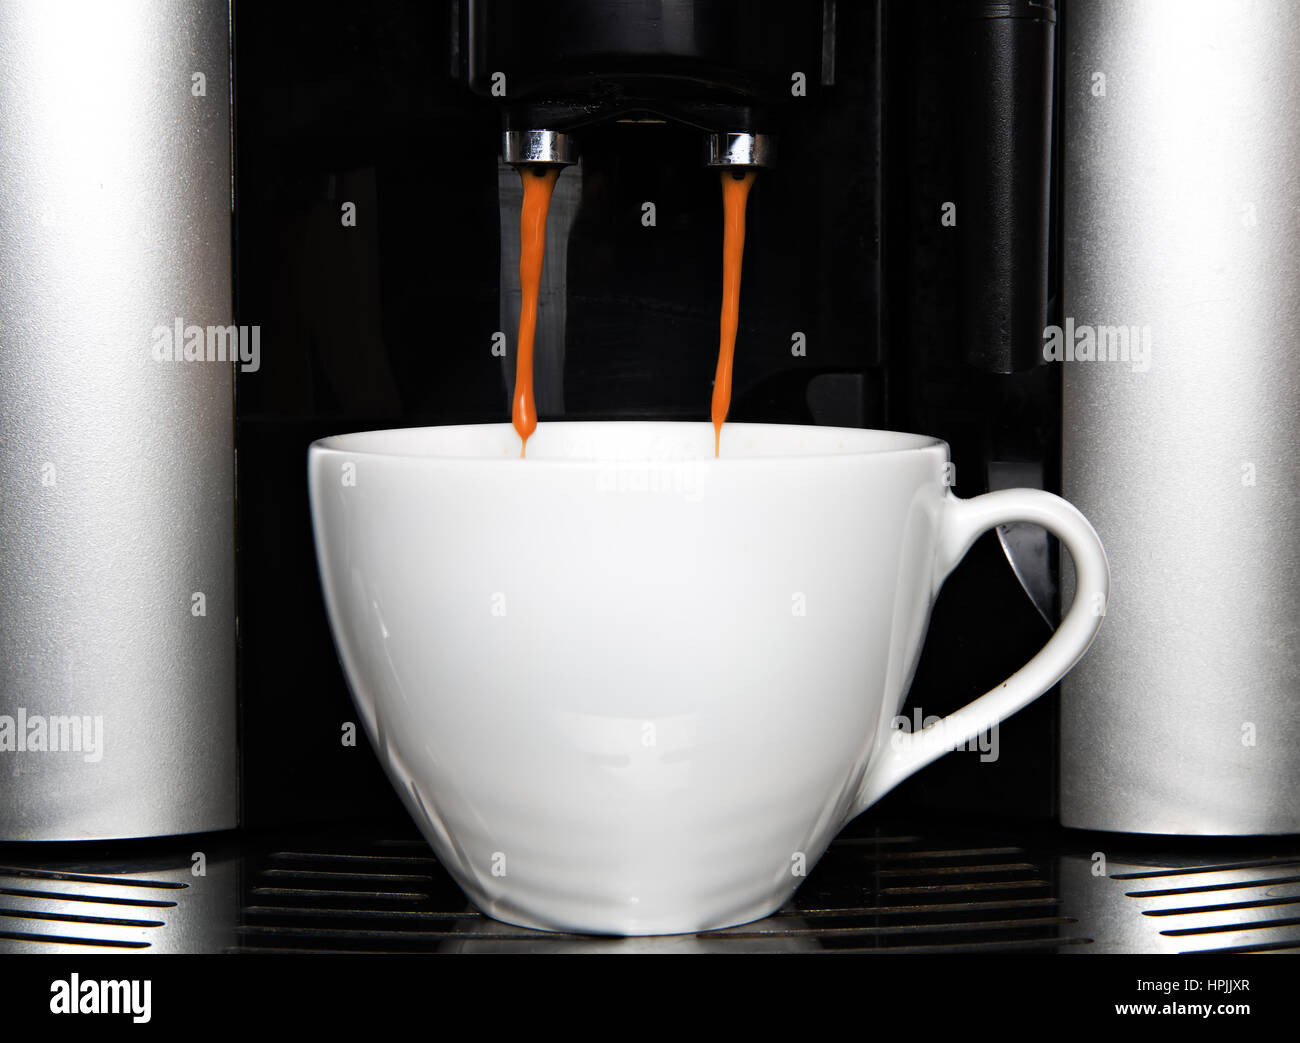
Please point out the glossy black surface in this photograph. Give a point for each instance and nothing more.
(389, 322)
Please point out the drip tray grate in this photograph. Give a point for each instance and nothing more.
(950, 887)
(873, 891)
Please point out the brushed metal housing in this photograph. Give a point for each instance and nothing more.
(116, 470)
(1182, 215)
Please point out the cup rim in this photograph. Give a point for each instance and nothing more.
(363, 443)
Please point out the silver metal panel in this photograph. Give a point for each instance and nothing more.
(116, 470)
(1182, 214)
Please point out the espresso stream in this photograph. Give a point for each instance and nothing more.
(735, 193)
(539, 183)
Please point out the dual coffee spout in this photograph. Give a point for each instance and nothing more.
(539, 156)
(741, 150)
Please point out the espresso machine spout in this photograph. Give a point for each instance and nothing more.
(740, 150)
(539, 148)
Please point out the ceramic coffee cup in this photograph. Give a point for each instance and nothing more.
(627, 688)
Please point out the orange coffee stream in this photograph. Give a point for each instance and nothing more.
(538, 185)
(735, 193)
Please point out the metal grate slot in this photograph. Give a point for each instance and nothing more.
(82, 878)
(1260, 947)
(96, 898)
(301, 874)
(324, 856)
(31, 914)
(1228, 867)
(68, 939)
(1207, 888)
(1259, 903)
(956, 888)
(304, 892)
(1219, 928)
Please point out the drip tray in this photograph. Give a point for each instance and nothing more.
(889, 892)
(944, 889)
(941, 889)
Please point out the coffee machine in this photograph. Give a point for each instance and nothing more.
(931, 179)
(864, 302)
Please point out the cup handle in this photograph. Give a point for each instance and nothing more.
(900, 754)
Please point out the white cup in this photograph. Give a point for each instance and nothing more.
(627, 688)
